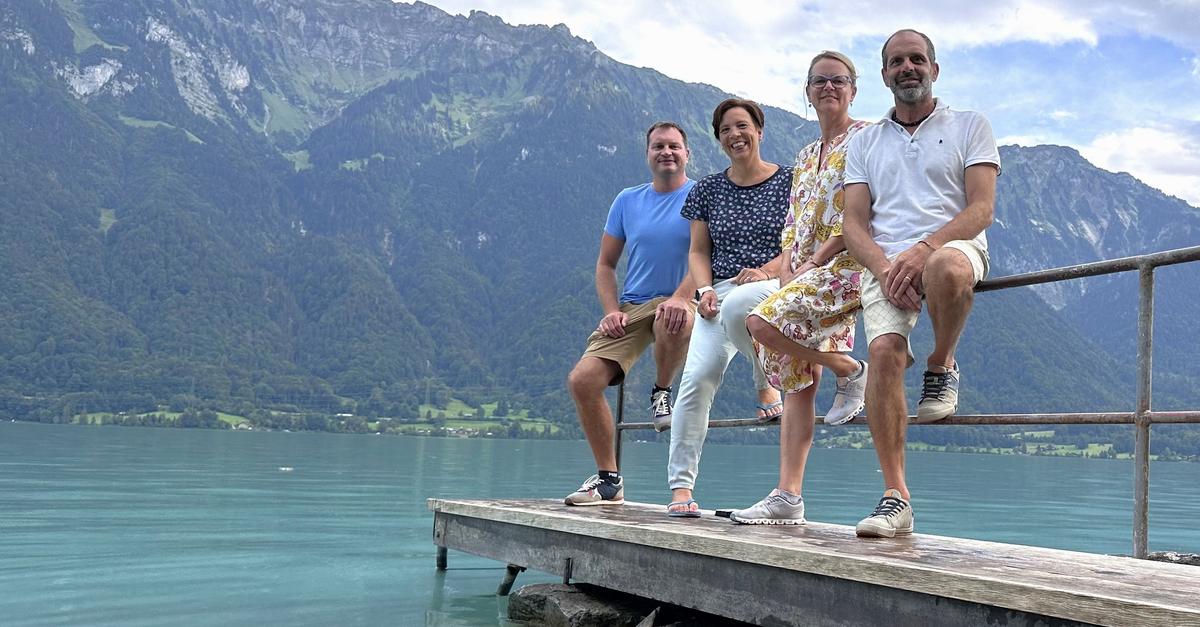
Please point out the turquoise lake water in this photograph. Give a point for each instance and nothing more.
(139, 526)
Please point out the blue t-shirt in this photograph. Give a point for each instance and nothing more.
(656, 239)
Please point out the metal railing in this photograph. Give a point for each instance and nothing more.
(1141, 417)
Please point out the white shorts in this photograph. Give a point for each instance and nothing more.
(881, 317)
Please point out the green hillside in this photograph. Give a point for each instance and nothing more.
(290, 211)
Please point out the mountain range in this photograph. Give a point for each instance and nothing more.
(357, 206)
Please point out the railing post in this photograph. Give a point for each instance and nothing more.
(620, 419)
(1141, 445)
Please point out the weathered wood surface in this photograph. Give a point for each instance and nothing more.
(1071, 586)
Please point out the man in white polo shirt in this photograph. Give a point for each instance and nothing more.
(920, 188)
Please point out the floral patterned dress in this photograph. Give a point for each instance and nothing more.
(818, 308)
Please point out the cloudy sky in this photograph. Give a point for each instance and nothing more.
(1119, 81)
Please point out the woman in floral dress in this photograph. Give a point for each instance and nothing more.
(809, 322)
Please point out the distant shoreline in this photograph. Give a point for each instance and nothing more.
(855, 440)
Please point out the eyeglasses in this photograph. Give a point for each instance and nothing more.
(839, 82)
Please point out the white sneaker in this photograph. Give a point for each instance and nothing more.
(776, 509)
(893, 516)
(849, 399)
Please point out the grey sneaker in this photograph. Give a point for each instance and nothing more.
(893, 516)
(939, 395)
(776, 509)
(849, 398)
(660, 406)
(596, 491)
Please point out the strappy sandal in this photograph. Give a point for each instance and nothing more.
(766, 409)
(686, 512)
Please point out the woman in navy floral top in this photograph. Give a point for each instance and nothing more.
(737, 216)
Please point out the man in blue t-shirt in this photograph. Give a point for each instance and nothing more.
(655, 305)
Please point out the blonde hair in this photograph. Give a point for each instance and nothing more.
(836, 56)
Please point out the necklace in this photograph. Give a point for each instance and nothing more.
(910, 124)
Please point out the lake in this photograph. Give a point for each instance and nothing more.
(141, 526)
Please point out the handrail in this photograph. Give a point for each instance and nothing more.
(1095, 268)
(976, 420)
(1141, 417)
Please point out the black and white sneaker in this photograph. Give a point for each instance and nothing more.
(596, 491)
(660, 408)
(939, 395)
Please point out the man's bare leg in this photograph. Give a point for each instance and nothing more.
(888, 417)
(887, 410)
(670, 349)
(949, 291)
(587, 383)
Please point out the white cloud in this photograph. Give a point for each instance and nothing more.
(1021, 140)
(761, 48)
(1056, 71)
(954, 22)
(1162, 158)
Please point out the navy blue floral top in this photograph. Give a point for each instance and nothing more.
(743, 222)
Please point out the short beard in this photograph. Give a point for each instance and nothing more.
(913, 95)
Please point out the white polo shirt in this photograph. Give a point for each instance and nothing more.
(918, 182)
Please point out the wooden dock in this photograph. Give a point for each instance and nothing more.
(817, 574)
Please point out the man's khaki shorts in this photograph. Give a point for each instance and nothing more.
(625, 350)
(881, 317)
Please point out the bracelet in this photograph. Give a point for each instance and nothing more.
(704, 290)
(927, 245)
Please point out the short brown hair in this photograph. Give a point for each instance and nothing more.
(928, 45)
(751, 107)
(666, 124)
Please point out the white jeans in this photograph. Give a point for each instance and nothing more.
(714, 343)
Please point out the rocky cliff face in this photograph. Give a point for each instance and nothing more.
(1055, 209)
(283, 68)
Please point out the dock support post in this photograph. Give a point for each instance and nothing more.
(567, 571)
(510, 576)
(439, 539)
(1141, 445)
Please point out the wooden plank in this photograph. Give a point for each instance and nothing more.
(1069, 585)
(743, 591)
